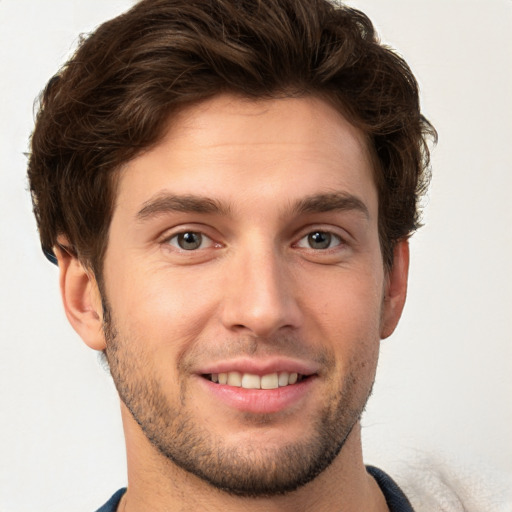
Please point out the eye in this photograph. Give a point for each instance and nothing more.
(319, 240)
(190, 241)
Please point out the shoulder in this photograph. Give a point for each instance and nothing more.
(436, 482)
(395, 498)
(113, 502)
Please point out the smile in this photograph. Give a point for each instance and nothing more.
(251, 381)
(259, 387)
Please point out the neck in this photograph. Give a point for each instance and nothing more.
(156, 484)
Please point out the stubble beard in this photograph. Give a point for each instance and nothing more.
(250, 470)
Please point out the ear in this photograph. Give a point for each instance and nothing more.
(395, 290)
(81, 298)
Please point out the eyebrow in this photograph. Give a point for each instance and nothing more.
(317, 203)
(168, 203)
(335, 201)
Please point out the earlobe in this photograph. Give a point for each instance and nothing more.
(395, 289)
(81, 299)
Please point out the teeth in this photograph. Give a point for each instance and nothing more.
(234, 379)
(251, 381)
(270, 381)
(284, 379)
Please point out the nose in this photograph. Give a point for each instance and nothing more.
(260, 295)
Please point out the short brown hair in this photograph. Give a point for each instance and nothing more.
(112, 99)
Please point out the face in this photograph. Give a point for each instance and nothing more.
(245, 290)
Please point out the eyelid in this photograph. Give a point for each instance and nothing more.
(172, 233)
(338, 238)
(342, 235)
(206, 241)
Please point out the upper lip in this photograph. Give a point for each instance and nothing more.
(260, 366)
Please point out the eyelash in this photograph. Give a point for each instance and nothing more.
(328, 238)
(325, 237)
(202, 236)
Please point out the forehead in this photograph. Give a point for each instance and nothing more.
(273, 148)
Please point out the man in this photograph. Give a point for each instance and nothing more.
(228, 188)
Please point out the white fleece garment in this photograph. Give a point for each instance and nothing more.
(440, 484)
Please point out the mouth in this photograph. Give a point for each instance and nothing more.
(273, 380)
(260, 387)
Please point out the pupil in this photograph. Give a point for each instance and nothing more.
(319, 240)
(189, 241)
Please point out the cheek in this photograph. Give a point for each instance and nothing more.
(346, 315)
(167, 310)
(345, 298)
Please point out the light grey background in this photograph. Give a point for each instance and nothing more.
(445, 377)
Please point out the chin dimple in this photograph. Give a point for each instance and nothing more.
(252, 381)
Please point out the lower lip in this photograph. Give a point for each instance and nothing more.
(260, 401)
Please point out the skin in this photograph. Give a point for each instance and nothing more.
(255, 294)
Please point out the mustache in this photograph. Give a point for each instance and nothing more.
(280, 345)
(199, 350)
